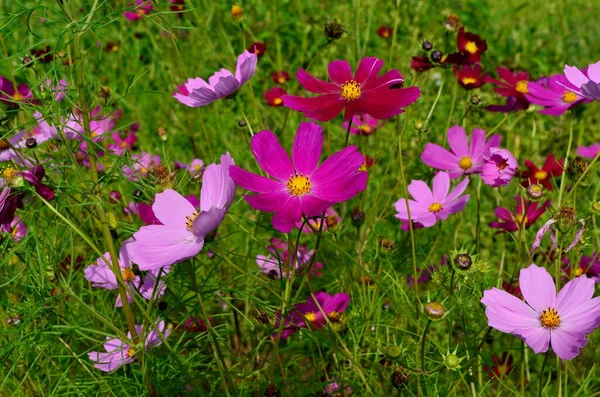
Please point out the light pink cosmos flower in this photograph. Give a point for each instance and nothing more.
(362, 124)
(545, 318)
(16, 228)
(589, 152)
(429, 206)
(586, 84)
(119, 353)
(300, 186)
(555, 94)
(183, 230)
(57, 90)
(122, 145)
(222, 84)
(143, 163)
(195, 166)
(462, 157)
(381, 97)
(499, 167)
(142, 8)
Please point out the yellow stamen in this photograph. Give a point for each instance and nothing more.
(435, 207)
(281, 80)
(130, 352)
(469, 80)
(540, 175)
(127, 274)
(277, 101)
(550, 318)
(351, 90)
(144, 170)
(465, 162)
(17, 96)
(10, 174)
(190, 221)
(521, 220)
(578, 271)
(471, 47)
(299, 185)
(310, 316)
(569, 97)
(366, 129)
(522, 87)
(334, 317)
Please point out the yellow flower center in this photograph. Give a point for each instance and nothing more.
(10, 174)
(298, 185)
(471, 47)
(366, 129)
(115, 48)
(569, 97)
(522, 87)
(196, 167)
(17, 96)
(435, 207)
(550, 318)
(123, 144)
(281, 80)
(444, 57)
(578, 271)
(540, 175)
(127, 274)
(277, 101)
(334, 317)
(144, 170)
(469, 80)
(363, 167)
(351, 90)
(521, 220)
(190, 221)
(310, 316)
(465, 162)
(130, 352)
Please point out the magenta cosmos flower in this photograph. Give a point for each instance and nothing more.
(463, 158)
(16, 229)
(142, 164)
(12, 95)
(300, 186)
(181, 235)
(362, 124)
(588, 152)
(380, 96)
(525, 215)
(556, 95)
(222, 84)
(119, 353)
(277, 263)
(429, 206)
(545, 319)
(587, 83)
(141, 9)
(13, 183)
(499, 167)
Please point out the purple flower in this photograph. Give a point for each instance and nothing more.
(544, 318)
(428, 206)
(525, 215)
(463, 158)
(588, 265)
(16, 228)
(556, 95)
(141, 9)
(300, 186)
(183, 230)
(222, 84)
(12, 196)
(119, 353)
(362, 124)
(57, 90)
(499, 167)
(99, 125)
(589, 151)
(102, 276)
(122, 145)
(143, 163)
(11, 95)
(587, 83)
(277, 264)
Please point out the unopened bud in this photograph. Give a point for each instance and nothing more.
(475, 100)
(434, 310)
(566, 218)
(436, 56)
(596, 207)
(452, 361)
(463, 261)
(535, 192)
(426, 45)
(236, 12)
(399, 378)
(576, 168)
(272, 391)
(242, 123)
(162, 306)
(334, 30)
(393, 351)
(357, 217)
(419, 125)
(31, 143)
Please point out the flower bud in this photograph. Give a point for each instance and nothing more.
(436, 56)
(114, 196)
(236, 12)
(162, 305)
(426, 45)
(399, 378)
(271, 391)
(463, 261)
(576, 168)
(452, 23)
(357, 217)
(419, 125)
(434, 310)
(30, 143)
(475, 100)
(566, 218)
(452, 361)
(393, 352)
(387, 246)
(334, 30)
(242, 123)
(28, 61)
(535, 192)
(596, 207)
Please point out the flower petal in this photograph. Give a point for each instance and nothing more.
(287, 215)
(314, 85)
(172, 209)
(421, 192)
(245, 67)
(339, 72)
(441, 186)
(307, 147)
(537, 287)
(457, 139)
(271, 156)
(320, 108)
(341, 164)
(507, 313)
(253, 182)
(566, 344)
(368, 68)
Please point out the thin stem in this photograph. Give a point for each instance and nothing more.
(348, 132)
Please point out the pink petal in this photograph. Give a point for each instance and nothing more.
(268, 202)
(421, 192)
(307, 147)
(566, 344)
(458, 190)
(536, 338)
(287, 215)
(341, 164)
(441, 186)
(537, 287)
(218, 189)
(574, 293)
(368, 68)
(246, 66)
(223, 83)
(541, 233)
(312, 84)
(320, 108)
(271, 156)
(339, 72)
(593, 72)
(437, 157)
(385, 103)
(313, 206)
(575, 76)
(341, 189)
(253, 182)
(172, 209)
(457, 139)
(507, 313)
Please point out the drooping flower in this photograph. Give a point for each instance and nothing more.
(274, 95)
(586, 82)
(119, 353)
(300, 186)
(385, 32)
(499, 167)
(556, 94)
(281, 77)
(332, 219)
(464, 158)
(314, 314)
(421, 63)
(525, 215)
(545, 318)
(141, 9)
(12, 195)
(222, 84)
(470, 45)
(589, 152)
(143, 163)
(17, 229)
(511, 85)
(11, 95)
(535, 175)
(380, 96)
(429, 206)
(564, 220)
(182, 233)
(469, 76)
(362, 124)
(277, 263)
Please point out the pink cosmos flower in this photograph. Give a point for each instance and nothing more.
(12, 95)
(195, 167)
(273, 96)
(499, 167)
(545, 318)
(362, 124)
(183, 230)
(556, 95)
(222, 84)
(300, 186)
(589, 152)
(380, 96)
(510, 85)
(99, 125)
(429, 206)
(17, 229)
(587, 83)
(588, 265)
(144, 211)
(277, 264)
(332, 219)
(119, 353)
(463, 158)
(102, 276)
(122, 145)
(142, 8)
(143, 163)
(57, 90)
(525, 215)
(12, 195)
(315, 314)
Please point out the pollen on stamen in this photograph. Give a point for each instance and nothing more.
(469, 80)
(521, 87)
(299, 185)
(540, 175)
(190, 221)
(310, 316)
(465, 163)
(435, 207)
(471, 47)
(351, 90)
(127, 274)
(569, 97)
(550, 318)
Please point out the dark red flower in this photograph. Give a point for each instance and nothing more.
(502, 365)
(511, 85)
(385, 32)
(470, 45)
(43, 55)
(273, 96)
(549, 170)
(177, 6)
(526, 214)
(469, 76)
(257, 48)
(421, 64)
(281, 77)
